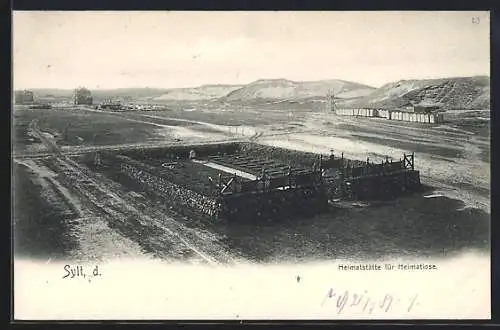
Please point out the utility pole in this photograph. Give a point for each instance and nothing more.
(330, 101)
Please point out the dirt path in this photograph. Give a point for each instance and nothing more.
(95, 239)
(172, 239)
(50, 176)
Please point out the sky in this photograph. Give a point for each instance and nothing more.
(101, 50)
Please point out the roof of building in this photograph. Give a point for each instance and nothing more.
(426, 106)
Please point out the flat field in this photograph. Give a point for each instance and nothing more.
(74, 127)
(453, 215)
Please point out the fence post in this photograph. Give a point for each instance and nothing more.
(263, 179)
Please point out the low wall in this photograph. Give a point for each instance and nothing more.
(173, 194)
(379, 187)
(277, 204)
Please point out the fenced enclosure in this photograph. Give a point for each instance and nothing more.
(250, 181)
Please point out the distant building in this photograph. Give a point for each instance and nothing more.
(82, 96)
(111, 105)
(24, 97)
(41, 106)
(416, 108)
(425, 108)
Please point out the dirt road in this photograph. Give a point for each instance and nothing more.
(157, 234)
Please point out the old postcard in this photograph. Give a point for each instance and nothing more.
(251, 165)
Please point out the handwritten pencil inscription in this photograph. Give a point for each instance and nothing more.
(365, 303)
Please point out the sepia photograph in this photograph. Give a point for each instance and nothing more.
(250, 165)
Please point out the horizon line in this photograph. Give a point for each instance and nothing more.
(253, 81)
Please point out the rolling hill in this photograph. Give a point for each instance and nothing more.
(449, 93)
(205, 92)
(282, 89)
(267, 90)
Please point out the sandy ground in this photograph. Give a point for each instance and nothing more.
(448, 158)
(95, 240)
